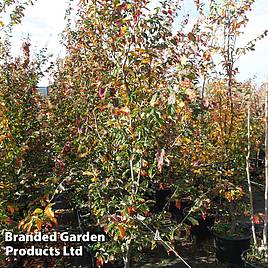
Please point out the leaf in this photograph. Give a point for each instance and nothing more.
(49, 213)
(158, 117)
(193, 221)
(102, 92)
(181, 104)
(11, 209)
(37, 211)
(204, 215)
(100, 261)
(178, 204)
(38, 223)
(123, 30)
(29, 226)
(256, 219)
(146, 60)
(191, 37)
(122, 231)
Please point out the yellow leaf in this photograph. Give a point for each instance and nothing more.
(37, 211)
(82, 155)
(88, 173)
(181, 104)
(146, 60)
(94, 179)
(124, 30)
(49, 212)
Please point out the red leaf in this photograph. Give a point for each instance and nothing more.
(178, 204)
(256, 219)
(204, 215)
(99, 261)
(102, 92)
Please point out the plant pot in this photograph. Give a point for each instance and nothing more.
(161, 198)
(15, 263)
(202, 231)
(248, 264)
(229, 249)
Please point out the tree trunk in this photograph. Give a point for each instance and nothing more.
(128, 254)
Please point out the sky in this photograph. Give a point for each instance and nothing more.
(44, 22)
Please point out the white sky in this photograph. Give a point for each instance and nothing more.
(44, 21)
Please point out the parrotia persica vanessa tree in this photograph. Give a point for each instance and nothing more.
(129, 114)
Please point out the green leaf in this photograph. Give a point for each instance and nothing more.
(193, 221)
(158, 117)
(191, 37)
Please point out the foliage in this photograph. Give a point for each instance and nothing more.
(128, 116)
(136, 106)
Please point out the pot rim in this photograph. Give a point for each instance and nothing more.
(246, 237)
(243, 254)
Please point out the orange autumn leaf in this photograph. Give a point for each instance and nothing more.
(38, 224)
(121, 111)
(29, 225)
(8, 220)
(122, 231)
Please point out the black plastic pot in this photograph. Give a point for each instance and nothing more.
(202, 231)
(15, 264)
(161, 198)
(246, 263)
(229, 250)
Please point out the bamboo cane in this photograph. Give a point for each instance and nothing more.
(248, 178)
